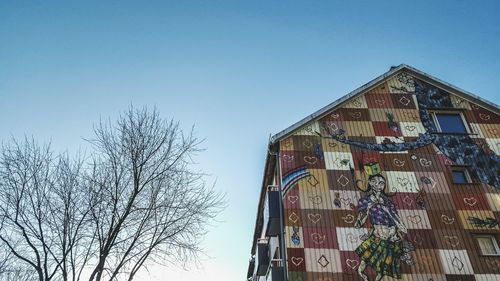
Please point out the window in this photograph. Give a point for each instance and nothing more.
(450, 122)
(460, 175)
(488, 245)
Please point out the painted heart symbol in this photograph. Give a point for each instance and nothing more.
(348, 218)
(297, 261)
(293, 198)
(494, 131)
(288, 158)
(353, 264)
(403, 181)
(484, 117)
(471, 201)
(399, 163)
(345, 201)
(311, 160)
(425, 163)
(318, 238)
(380, 102)
(452, 240)
(474, 106)
(355, 115)
(335, 116)
(493, 264)
(315, 218)
(447, 220)
(415, 219)
(332, 144)
(410, 128)
(307, 143)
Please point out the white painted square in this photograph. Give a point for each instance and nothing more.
(349, 238)
(338, 161)
(494, 145)
(487, 277)
(310, 129)
(397, 87)
(345, 199)
(411, 129)
(455, 262)
(402, 181)
(493, 201)
(322, 260)
(476, 130)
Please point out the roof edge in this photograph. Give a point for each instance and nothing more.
(422, 75)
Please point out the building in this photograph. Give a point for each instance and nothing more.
(399, 178)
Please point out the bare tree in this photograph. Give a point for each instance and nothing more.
(137, 200)
(40, 217)
(149, 205)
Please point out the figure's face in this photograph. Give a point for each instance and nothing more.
(377, 184)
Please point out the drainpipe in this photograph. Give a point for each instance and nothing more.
(282, 221)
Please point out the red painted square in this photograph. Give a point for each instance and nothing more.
(403, 101)
(382, 129)
(470, 201)
(379, 101)
(296, 259)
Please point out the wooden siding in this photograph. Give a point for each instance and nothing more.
(321, 209)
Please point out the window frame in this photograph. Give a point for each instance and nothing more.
(450, 112)
(465, 170)
(493, 238)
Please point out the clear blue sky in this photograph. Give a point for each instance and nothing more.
(239, 70)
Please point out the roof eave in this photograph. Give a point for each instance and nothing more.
(373, 83)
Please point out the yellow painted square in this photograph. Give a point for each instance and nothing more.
(396, 86)
(359, 128)
(379, 114)
(465, 214)
(458, 102)
(356, 102)
(287, 144)
(406, 115)
(493, 201)
(331, 145)
(310, 129)
(491, 131)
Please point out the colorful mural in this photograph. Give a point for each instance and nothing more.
(382, 248)
(369, 191)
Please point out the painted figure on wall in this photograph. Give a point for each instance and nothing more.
(383, 247)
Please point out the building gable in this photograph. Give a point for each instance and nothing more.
(378, 184)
